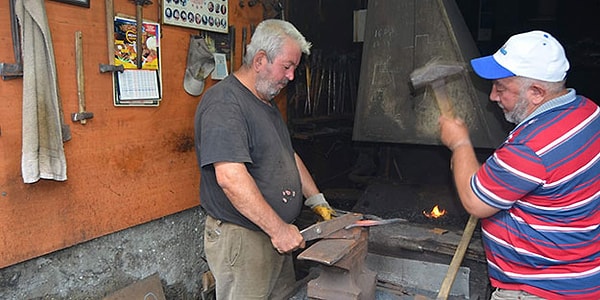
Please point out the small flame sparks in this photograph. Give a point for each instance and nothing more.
(435, 213)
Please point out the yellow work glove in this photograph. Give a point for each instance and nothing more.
(325, 212)
(319, 205)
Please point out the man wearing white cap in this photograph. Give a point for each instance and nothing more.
(539, 193)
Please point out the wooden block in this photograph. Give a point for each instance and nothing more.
(149, 288)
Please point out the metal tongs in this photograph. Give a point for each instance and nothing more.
(346, 221)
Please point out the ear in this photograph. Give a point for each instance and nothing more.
(538, 93)
(259, 60)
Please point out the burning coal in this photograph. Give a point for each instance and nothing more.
(435, 212)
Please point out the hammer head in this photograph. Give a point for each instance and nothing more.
(434, 71)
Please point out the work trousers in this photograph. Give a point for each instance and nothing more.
(245, 264)
(503, 294)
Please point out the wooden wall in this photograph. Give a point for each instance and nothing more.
(127, 165)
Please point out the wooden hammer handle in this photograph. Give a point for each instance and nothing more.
(442, 99)
(110, 31)
(457, 258)
(79, 72)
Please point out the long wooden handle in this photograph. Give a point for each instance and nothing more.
(80, 74)
(110, 31)
(457, 259)
(139, 35)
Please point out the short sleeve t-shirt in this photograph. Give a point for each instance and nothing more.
(232, 125)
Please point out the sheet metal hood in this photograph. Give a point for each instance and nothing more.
(401, 36)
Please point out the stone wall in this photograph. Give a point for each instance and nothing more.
(171, 246)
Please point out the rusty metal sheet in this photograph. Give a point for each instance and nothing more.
(401, 36)
(328, 251)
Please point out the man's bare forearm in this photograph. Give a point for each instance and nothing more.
(309, 187)
(464, 165)
(241, 189)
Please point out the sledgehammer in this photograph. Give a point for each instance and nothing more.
(435, 74)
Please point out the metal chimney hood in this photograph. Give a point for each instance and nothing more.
(401, 36)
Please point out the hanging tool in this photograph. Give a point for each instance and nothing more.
(12, 71)
(110, 40)
(110, 30)
(82, 115)
(307, 102)
(111, 68)
(232, 46)
(139, 36)
(244, 37)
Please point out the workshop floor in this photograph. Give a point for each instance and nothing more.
(382, 293)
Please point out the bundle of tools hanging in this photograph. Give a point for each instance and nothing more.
(327, 86)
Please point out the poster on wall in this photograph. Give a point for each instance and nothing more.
(133, 86)
(209, 15)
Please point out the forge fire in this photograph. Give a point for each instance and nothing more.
(435, 212)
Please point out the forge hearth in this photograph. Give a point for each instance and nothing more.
(410, 261)
(420, 241)
(408, 201)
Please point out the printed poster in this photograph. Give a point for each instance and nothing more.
(125, 44)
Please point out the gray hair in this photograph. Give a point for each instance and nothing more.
(550, 87)
(270, 36)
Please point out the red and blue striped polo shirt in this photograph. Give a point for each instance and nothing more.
(545, 179)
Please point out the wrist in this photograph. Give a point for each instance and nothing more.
(460, 144)
(315, 200)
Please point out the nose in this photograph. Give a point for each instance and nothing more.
(290, 74)
(494, 97)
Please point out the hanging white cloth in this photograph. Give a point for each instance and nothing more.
(43, 155)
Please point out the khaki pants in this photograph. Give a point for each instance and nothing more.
(245, 264)
(502, 294)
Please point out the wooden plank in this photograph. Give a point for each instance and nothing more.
(422, 238)
(149, 288)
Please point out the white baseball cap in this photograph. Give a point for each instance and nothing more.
(200, 63)
(535, 54)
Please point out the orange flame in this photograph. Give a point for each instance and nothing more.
(435, 213)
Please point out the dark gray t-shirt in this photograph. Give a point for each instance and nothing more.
(232, 125)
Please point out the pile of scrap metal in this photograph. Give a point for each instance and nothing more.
(341, 250)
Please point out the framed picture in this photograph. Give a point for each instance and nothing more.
(199, 14)
(82, 3)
